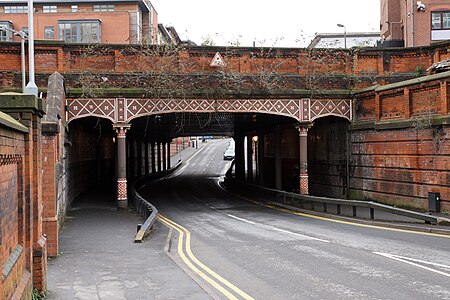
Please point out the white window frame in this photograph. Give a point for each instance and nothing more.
(15, 9)
(76, 26)
(103, 7)
(49, 9)
(47, 29)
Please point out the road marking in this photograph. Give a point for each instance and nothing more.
(300, 235)
(275, 228)
(412, 261)
(285, 210)
(187, 246)
(240, 219)
(186, 163)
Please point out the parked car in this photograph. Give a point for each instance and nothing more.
(229, 154)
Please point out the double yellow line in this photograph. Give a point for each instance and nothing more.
(200, 269)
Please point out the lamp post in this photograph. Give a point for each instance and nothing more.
(22, 36)
(345, 34)
(31, 88)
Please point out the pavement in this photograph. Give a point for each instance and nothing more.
(99, 260)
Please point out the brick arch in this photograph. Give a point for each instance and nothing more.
(123, 110)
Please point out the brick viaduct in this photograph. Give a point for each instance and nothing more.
(360, 123)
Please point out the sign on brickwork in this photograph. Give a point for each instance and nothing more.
(217, 61)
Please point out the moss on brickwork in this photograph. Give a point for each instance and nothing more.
(8, 121)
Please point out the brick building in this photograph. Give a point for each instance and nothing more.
(412, 23)
(84, 21)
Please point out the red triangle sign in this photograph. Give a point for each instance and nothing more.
(217, 61)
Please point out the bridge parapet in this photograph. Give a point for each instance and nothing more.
(124, 110)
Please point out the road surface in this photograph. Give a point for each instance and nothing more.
(239, 249)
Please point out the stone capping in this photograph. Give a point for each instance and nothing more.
(397, 124)
(16, 102)
(50, 128)
(11, 262)
(403, 84)
(8, 121)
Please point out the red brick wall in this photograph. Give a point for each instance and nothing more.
(50, 155)
(404, 156)
(12, 201)
(400, 166)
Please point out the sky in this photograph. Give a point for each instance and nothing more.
(281, 23)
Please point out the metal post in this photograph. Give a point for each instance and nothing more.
(22, 36)
(249, 159)
(122, 198)
(168, 155)
(22, 54)
(303, 138)
(31, 88)
(278, 161)
(260, 163)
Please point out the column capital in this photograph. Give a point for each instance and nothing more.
(121, 129)
(303, 128)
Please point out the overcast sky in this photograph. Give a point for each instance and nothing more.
(288, 23)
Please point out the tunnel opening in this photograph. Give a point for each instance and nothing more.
(328, 157)
(91, 159)
(257, 130)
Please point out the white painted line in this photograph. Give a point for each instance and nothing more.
(299, 235)
(409, 261)
(240, 219)
(278, 229)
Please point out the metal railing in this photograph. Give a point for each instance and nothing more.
(314, 202)
(147, 210)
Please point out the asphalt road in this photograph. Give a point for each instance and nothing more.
(269, 254)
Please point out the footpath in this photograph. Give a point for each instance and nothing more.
(99, 260)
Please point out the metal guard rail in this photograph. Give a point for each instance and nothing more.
(272, 195)
(147, 210)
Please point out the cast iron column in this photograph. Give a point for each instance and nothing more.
(249, 159)
(122, 198)
(152, 145)
(146, 157)
(260, 159)
(159, 156)
(164, 160)
(239, 157)
(278, 162)
(303, 134)
(168, 155)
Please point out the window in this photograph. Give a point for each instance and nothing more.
(49, 32)
(16, 9)
(86, 31)
(440, 20)
(49, 9)
(103, 7)
(5, 35)
(74, 8)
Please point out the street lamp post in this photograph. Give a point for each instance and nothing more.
(22, 36)
(345, 34)
(31, 88)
